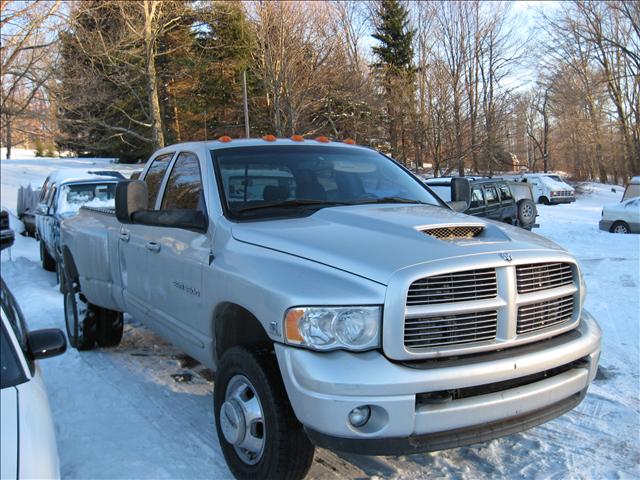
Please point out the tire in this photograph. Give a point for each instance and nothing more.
(280, 447)
(527, 213)
(109, 329)
(48, 262)
(545, 201)
(620, 227)
(61, 277)
(80, 320)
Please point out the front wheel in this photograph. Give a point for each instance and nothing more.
(258, 432)
(80, 320)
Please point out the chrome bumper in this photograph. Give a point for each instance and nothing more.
(324, 387)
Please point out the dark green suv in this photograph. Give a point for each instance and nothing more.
(487, 197)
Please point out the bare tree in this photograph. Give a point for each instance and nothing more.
(26, 60)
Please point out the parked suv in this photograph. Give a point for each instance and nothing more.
(493, 198)
(62, 194)
(340, 302)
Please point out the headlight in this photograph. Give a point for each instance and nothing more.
(331, 328)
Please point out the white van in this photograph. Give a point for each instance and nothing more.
(549, 188)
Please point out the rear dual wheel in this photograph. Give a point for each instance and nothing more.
(88, 324)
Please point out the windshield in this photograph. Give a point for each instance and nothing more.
(276, 181)
(100, 195)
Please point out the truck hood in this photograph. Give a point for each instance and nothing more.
(374, 241)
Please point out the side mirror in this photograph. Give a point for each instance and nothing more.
(131, 197)
(46, 343)
(460, 190)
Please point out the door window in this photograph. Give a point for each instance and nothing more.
(505, 193)
(184, 188)
(154, 176)
(492, 195)
(477, 198)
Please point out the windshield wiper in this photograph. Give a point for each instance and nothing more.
(387, 200)
(291, 204)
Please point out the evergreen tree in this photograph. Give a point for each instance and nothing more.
(395, 52)
(394, 64)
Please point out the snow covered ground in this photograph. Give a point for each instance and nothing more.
(121, 413)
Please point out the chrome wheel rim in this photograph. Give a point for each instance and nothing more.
(527, 211)
(620, 229)
(242, 420)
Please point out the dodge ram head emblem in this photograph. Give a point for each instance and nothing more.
(506, 256)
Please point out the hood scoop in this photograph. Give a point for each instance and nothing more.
(453, 232)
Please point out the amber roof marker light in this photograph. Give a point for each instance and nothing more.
(224, 139)
(322, 139)
(297, 138)
(350, 141)
(269, 138)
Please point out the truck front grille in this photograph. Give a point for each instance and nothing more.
(543, 276)
(490, 307)
(538, 316)
(453, 287)
(450, 329)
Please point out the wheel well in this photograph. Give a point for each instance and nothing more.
(69, 265)
(235, 325)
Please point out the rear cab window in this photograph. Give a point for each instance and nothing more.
(184, 186)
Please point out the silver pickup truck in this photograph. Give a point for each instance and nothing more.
(339, 301)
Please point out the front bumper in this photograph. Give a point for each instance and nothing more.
(559, 199)
(324, 387)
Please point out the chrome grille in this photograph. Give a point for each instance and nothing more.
(537, 316)
(543, 276)
(454, 232)
(442, 330)
(453, 287)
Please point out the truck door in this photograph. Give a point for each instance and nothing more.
(177, 258)
(134, 261)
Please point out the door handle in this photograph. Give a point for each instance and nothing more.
(124, 236)
(153, 246)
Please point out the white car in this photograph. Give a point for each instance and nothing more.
(27, 433)
(549, 188)
(623, 217)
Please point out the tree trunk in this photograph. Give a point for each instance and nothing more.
(7, 126)
(157, 135)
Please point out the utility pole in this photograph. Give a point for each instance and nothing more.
(245, 99)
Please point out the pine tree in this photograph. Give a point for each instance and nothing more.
(396, 72)
(395, 52)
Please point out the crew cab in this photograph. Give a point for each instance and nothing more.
(493, 198)
(62, 194)
(549, 188)
(340, 302)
